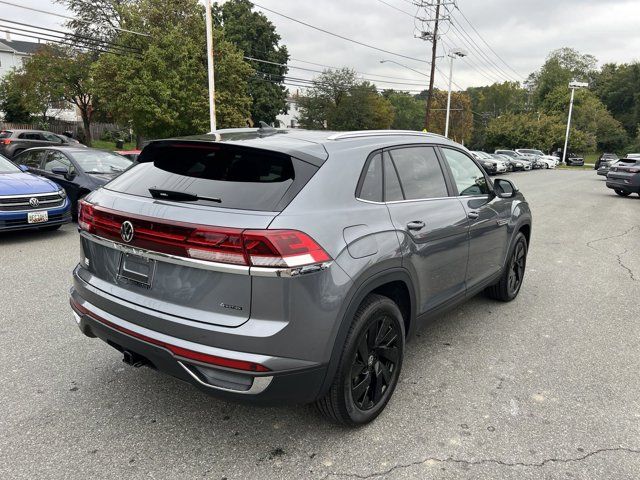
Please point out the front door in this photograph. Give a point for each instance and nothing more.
(488, 217)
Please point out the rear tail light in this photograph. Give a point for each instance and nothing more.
(257, 248)
(6, 141)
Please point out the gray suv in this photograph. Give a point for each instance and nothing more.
(291, 266)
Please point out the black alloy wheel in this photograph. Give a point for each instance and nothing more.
(370, 364)
(516, 268)
(375, 363)
(508, 287)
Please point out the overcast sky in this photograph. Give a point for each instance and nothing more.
(521, 32)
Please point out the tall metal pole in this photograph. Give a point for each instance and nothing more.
(566, 138)
(434, 52)
(446, 127)
(212, 84)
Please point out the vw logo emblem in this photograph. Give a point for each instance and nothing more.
(34, 202)
(126, 231)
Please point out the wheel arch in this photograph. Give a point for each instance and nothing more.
(395, 283)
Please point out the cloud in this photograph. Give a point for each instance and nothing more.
(521, 32)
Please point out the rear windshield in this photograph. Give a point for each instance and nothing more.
(5, 133)
(242, 178)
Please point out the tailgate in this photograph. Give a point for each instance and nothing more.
(219, 296)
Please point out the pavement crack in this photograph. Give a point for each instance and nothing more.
(626, 232)
(617, 255)
(485, 461)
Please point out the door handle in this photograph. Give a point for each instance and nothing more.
(416, 225)
(473, 214)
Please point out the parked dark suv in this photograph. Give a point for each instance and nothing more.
(12, 142)
(291, 266)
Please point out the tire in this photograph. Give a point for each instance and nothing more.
(51, 228)
(508, 287)
(622, 193)
(362, 386)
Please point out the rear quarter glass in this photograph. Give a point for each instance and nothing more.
(242, 178)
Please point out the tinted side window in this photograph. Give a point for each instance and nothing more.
(30, 159)
(372, 184)
(30, 136)
(392, 188)
(50, 137)
(420, 172)
(56, 159)
(466, 174)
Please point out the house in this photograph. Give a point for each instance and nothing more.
(289, 119)
(14, 52)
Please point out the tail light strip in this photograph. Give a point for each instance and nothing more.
(259, 252)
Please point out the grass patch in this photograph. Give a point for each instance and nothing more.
(572, 167)
(111, 146)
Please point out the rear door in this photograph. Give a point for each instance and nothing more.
(488, 216)
(432, 226)
(240, 188)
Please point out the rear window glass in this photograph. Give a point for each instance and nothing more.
(242, 178)
(372, 184)
(5, 133)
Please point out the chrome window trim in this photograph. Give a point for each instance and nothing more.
(205, 265)
(259, 384)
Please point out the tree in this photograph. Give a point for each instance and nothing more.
(97, 19)
(618, 87)
(254, 34)
(408, 110)
(338, 101)
(14, 98)
(163, 90)
(535, 130)
(562, 66)
(589, 115)
(64, 74)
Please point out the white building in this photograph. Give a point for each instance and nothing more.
(290, 119)
(13, 54)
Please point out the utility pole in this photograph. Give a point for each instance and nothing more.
(456, 52)
(212, 84)
(434, 53)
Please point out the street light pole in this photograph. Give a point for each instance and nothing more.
(210, 72)
(573, 86)
(452, 54)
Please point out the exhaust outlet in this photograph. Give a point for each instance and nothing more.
(133, 359)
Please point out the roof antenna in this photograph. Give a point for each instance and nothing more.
(266, 129)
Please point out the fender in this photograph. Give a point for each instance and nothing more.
(356, 295)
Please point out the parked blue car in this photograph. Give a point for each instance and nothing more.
(29, 201)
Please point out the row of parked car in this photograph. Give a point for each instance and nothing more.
(522, 159)
(44, 175)
(623, 174)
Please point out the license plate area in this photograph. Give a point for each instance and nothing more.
(37, 217)
(136, 270)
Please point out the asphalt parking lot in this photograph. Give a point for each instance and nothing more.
(544, 387)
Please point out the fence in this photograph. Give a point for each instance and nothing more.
(60, 126)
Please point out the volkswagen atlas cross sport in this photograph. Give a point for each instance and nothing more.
(272, 266)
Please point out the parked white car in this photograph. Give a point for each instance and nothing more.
(549, 160)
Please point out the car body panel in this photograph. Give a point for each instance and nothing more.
(296, 323)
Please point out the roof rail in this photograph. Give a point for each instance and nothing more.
(381, 133)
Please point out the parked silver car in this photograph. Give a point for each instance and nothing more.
(291, 266)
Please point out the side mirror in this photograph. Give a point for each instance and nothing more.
(24, 168)
(504, 188)
(64, 171)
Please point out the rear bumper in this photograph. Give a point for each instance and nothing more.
(624, 185)
(287, 381)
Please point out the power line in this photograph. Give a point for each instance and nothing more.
(67, 35)
(486, 43)
(357, 42)
(67, 17)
